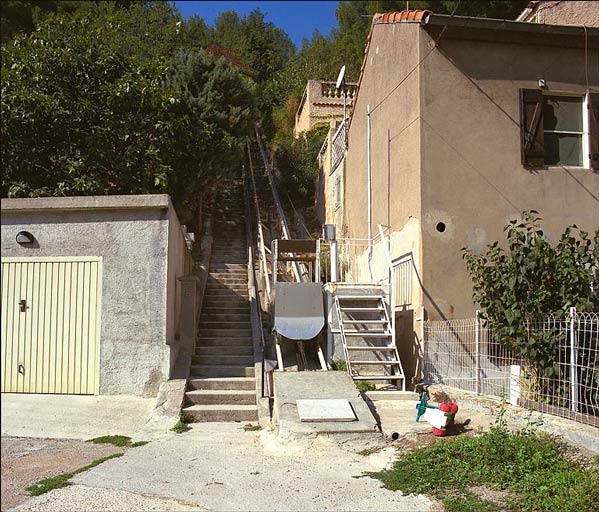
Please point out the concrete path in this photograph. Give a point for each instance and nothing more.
(219, 466)
(73, 416)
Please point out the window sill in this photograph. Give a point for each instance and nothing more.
(559, 168)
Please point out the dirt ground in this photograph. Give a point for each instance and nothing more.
(25, 461)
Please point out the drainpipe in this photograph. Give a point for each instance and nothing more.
(369, 172)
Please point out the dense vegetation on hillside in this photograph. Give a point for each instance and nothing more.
(128, 97)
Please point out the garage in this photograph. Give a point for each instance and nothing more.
(51, 324)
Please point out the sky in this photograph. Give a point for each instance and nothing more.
(298, 19)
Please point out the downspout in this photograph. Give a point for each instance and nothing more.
(369, 174)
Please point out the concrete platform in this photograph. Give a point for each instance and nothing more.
(73, 416)
(292, 386)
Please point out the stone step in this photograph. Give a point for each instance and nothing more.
(224, 333)
(221, 370)
(224, 303)
(204, 324)
(221, 396)
(225, 317)
(204, 413)
(223, 359)
(237, 383)
(222, 289)
(224, 341)
(228, 280)
(243, 309)
(229, 350)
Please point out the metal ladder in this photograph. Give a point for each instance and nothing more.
(366, 317)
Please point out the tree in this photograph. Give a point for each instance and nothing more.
(531, 280)
(87, 110)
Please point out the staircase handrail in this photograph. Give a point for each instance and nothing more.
(299, 275)
(261, 243)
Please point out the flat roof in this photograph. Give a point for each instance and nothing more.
(78, 203)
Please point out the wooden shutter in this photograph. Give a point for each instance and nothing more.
(531, 127)
(594, 130)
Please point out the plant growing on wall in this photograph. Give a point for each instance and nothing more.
(532, 279)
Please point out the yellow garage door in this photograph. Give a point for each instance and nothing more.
(51, 325)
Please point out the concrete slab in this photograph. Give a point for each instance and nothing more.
(292, 386)
(219, 466)
(325, 410)
(73, 416)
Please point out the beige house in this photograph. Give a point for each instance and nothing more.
(322, 103)
(562, 12)
(467, 122)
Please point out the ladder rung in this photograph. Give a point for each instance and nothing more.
(384, 363)
(368, 334)
(378, 308)
(360, 297)
(369, 321)
(373, 349)
(378, 377)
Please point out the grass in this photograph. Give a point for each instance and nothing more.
(182, 424)
(363, 385)
(339, 365)
(116, 440)
(528, 471)
(64, 479)
(251, 428)
(368, 451)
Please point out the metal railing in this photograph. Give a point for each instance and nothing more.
(466, 355)
(338, 147)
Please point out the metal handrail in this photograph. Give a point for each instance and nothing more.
(299, 275)
(261, 243)
(252, 277)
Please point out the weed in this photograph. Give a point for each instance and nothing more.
(363, 385)
(251, 428)
(64, 479)
(368, 451)
(119, 441)
(185, 417)
(529, 466)
(139, 443)
(339, 365)
(180, 427)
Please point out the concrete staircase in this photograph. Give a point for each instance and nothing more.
(222, 386)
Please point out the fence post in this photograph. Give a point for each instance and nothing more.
(477, 350)
(573, 363)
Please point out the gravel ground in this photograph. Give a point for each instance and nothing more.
(25, 461)
(219, 466)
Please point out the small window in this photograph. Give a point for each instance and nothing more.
(563, 130)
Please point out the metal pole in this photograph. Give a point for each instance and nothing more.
(334, 262)
(573, 363)
(477, 350)
(369, 175)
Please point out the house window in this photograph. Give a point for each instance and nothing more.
(559, 129)
(563, 130)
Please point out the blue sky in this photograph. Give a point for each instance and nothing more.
(298, 19)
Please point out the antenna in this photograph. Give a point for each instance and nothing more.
(340, 79)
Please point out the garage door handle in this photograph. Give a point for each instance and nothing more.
(21, 369)
(22, 305)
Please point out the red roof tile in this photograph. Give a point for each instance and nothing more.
(417, 15)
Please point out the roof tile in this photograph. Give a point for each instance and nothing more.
(416, 15)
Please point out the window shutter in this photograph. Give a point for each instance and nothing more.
(594, 130)
(531, 127)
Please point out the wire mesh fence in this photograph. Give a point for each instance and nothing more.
(465, 354)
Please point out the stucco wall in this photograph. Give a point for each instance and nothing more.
(395, 139)
(179, 265)
(472, 177)
(134, 355)
(566, 13)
